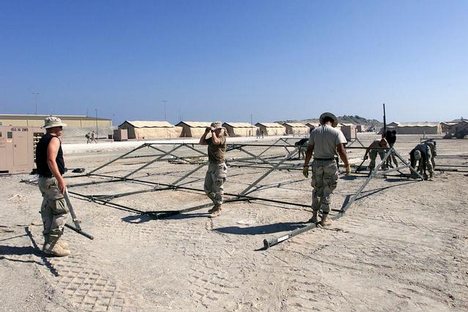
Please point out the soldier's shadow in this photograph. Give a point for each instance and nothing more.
(6, 250)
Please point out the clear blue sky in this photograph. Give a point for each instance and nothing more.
(235, 60)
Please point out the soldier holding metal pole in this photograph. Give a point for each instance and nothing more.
(217, 169)
(50, 167)
(376, 147)
(324, 143)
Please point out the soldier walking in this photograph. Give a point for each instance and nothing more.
(324, 143)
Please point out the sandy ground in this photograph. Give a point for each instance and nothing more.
(402, 246)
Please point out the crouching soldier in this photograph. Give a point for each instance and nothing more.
(375, 148)
(420, 158)
(433, 147)
(301, 146)
(50, 167)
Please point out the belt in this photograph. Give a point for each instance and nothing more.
(324, 158)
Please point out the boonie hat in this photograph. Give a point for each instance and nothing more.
(216, 125)
(52, 121)
(328, 114)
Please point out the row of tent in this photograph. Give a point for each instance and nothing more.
(142, 130)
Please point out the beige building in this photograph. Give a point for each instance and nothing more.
(270, 128)
(349, 131)
(73, 121)
(240, 129)
(149, 130)
(193, 129)
(18, 147)
(416, 128)
(296, 128)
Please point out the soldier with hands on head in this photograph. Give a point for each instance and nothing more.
(215, 138)
(324, 143)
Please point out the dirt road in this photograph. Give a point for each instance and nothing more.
(402, 246)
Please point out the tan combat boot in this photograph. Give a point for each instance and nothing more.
(325, 220)
(215, 211)
(62, 244)
(314, 218)
(54, 249)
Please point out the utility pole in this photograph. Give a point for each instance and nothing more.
(35, 100)
(97, 128)
(164, 104)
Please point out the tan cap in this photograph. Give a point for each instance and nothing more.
(328, 114)
(52, 121)
(216, 125)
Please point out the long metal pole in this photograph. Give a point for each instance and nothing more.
(77, 227)
(384, 122)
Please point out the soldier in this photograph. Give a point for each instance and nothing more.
(433, 147)
(301, 147)
(391, 136)
(422, 155)
(93, 137)
(324, 143)
(217, 170)
(374, 149)
(50, 167)
(88, 137)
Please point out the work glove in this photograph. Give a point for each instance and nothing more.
(305, 171)
(348, 169)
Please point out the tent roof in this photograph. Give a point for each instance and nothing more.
(195, 124)
(149, 124)
(239, 124)
(269, 124)
(295, 124)
(416, 124)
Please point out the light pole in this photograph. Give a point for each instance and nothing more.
(164, 104)
(97, 129)
(35, 100)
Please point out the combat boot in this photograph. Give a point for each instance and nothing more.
(325, 220)
(54, 249)
(314, 218)
(215, 211)
(62, 244)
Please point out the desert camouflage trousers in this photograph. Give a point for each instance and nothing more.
(214, 181)
(373, 155)
(324, 181)
(53, 209)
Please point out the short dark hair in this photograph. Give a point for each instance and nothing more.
(328, 119)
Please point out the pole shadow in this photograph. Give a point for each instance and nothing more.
(261, 229)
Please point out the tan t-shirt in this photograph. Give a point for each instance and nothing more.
(325, 139)
(216, 152)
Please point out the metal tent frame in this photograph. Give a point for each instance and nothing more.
(262, 157)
